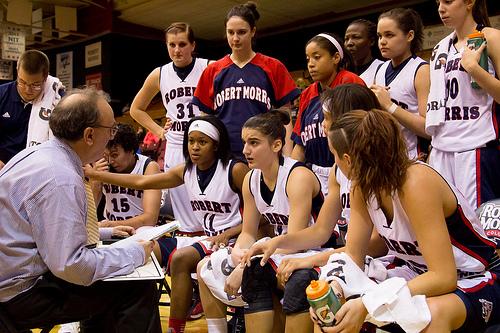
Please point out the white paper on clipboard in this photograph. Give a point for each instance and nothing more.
(151, 233)
(151, 270)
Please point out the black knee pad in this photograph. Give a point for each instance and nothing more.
(295, 300)
(257, 287)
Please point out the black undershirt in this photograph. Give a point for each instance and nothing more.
(392, 72)
(205, 176)
(265, 192)
(360, 69)
(183, 72)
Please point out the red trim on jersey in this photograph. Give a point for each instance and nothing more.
(494, 106)
(280, 78)
(478, 177)
(180, 233)
(204, 91)
(312, 91)
(480, 286)
(170, 259)
(466, 221)
(468, 251)
(304, 100)
(314, 215)
(344, 77)
(206, 250)
(273, 264)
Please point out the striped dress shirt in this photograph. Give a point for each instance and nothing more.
(43, 223)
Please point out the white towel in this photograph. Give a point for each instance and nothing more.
(38, 126)
(391, 301)
(437, 96)
(387, 302)
(214, 274)
(351, 278)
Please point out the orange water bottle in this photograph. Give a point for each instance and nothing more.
(475, 40)
(323, 301)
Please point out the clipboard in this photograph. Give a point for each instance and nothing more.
(151, 270)
(150, 233)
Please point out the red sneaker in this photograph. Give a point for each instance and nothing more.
(196, 311)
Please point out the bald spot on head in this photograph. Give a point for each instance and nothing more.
(79, 109)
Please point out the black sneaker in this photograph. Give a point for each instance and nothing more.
(237, 323)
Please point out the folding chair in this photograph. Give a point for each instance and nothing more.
(164, 289)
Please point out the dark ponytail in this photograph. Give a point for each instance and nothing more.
(271, 124)
(377, 149)
(248, 12)
(347, 61)
(407, 20)
(480, 13)
(347, 97)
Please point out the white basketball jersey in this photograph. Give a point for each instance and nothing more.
(471, 253)
(278, 211)
(469, 121)
(345, 187)
(218, 206)
(402, 91)
(177, 95)
(124, 203)
(369, 74)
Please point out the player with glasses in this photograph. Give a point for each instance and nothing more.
(35, 86)
(26, 104)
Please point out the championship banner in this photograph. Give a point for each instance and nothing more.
(13, 43)
(6, 72)
(64, 68)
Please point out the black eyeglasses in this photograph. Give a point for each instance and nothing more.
(112, 129)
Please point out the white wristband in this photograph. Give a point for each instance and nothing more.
(392, 108)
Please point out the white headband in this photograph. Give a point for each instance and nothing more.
(206, 128)
(334, 42)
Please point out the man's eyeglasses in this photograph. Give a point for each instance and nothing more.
(112, 129)
(37, 86)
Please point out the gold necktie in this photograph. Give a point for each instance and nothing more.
(92, 226)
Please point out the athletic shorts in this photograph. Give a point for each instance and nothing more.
(482, 301)
(168, 246)
(475, 172)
